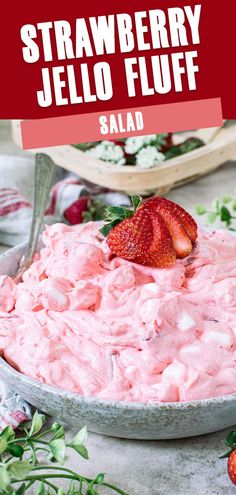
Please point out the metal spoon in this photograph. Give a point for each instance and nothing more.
(44, 172)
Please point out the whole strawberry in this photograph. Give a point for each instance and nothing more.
(153, 233)
(74, 213)
(231, 463)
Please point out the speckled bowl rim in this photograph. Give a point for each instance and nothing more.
(129, 405)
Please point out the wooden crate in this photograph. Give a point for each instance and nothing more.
(159, 180)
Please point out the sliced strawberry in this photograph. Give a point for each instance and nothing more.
(144, 239)
(182, 227)
(185, 218)
(131, 238)
(161, 252)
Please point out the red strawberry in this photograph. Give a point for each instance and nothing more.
(74, 213)
(188, 222)
(161, 251)
(153, 234)
(144, 239)
(231, 465)
(181, 225)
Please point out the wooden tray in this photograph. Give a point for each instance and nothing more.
(159, 180)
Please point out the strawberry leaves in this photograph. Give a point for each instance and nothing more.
(116, 214)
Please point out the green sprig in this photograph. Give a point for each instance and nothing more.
(21, 468)
(222, 210)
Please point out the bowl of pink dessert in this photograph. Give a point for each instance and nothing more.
(132, 351)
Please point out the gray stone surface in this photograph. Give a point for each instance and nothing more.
(182, 467)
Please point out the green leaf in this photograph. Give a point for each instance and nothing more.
(4, 478)
(81, 450)
(216, 204)
(161, 140)
(21, 489)
(225, 214)
(58, 449)
(85, 146)
(91, 491)
(41, 489)
(116, 212)
(80, 437)
(200, 210)
(108, 226)
(136, 201)
(15, 450)
(172, 152)
(226, 200)
(37, 423)
(3, 445)
(60, 433)
(7, 433)
(234, 205)
(190, 145)
(99, 480)
(19, 469)
(211, 217)
(231, 439)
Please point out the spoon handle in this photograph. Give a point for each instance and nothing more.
(44, 172)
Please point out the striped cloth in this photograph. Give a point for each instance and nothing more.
(15, 221)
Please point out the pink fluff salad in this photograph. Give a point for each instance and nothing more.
(88, 322)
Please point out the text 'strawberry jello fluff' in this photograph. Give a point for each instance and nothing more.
(152, 324)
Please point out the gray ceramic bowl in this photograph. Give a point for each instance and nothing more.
(120, 419)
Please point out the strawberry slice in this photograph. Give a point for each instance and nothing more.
(161, 253)
(144, 239)
(182, 227)
(184, 217)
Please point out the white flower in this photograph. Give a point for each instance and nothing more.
(149, 157)
(134, 144)
(108, 152)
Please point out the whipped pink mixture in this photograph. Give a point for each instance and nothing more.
(98, 325)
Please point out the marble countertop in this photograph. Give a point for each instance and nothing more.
(189, 466)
